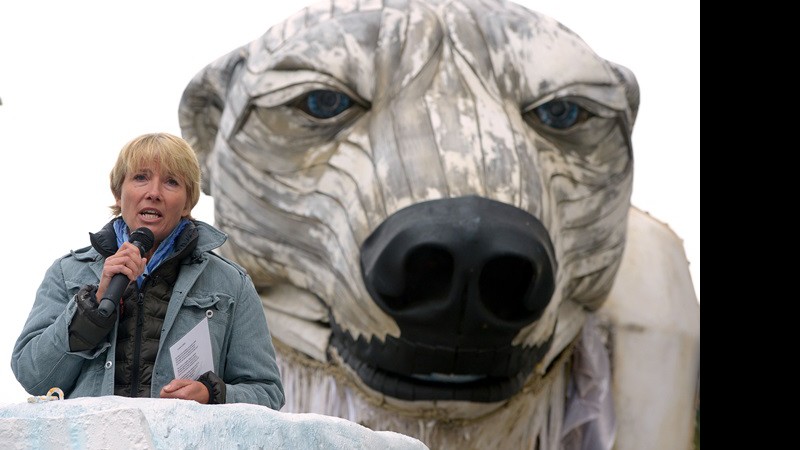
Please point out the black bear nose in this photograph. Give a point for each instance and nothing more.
(461, 272)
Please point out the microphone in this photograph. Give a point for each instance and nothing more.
(142, 238)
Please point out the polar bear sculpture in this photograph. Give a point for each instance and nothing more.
(433, 198)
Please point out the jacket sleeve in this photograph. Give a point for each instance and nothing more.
(41, 358)
(88, 328)
(216, 387)
(251, 370)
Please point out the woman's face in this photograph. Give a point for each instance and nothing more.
(153, 199)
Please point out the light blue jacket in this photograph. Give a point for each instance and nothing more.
(208, 286)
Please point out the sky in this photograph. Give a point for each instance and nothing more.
(79, 79)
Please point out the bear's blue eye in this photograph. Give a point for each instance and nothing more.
(324, 104)
(561, 114)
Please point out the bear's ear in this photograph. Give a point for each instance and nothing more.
(202, 104)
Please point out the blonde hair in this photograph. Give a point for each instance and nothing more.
(172, 153)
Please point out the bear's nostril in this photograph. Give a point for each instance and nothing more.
(430, 272)
(426, 275)
(504, 284)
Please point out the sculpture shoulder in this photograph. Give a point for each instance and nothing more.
(653, 288)
(653, 319)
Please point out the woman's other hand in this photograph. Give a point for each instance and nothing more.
(186, 390)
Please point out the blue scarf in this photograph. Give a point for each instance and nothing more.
(163, 250)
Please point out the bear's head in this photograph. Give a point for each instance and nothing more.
(426, 193)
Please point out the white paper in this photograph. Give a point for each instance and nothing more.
(191, 356)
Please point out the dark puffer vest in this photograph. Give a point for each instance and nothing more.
(142, 312)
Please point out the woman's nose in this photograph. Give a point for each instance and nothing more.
(154, 192)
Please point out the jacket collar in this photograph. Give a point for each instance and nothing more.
(206, 236)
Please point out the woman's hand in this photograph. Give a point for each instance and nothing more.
(186, 390)
(128, 261)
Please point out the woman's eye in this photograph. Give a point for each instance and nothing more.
(323, 104)
(139, 177)
(173, 182)
(561, 114)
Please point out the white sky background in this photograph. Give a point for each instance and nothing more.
(79, 79)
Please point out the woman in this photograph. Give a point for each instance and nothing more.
(179, 283)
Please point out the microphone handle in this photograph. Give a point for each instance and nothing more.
(115, 289)
(113, 294)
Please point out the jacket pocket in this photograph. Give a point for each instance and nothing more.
(90, 381)
(217, 308)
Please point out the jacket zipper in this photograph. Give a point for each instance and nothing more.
(137, 345)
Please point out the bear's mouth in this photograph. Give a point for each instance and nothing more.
(415, 371)
(461, 277)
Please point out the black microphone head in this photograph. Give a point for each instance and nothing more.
(143, 238)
